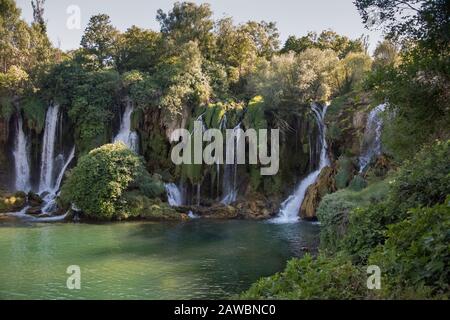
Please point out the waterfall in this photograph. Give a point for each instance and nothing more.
(21, 155)
(174, 195)
(290, 207)
(48, 149)
(50, 199)
(130, 138)
(230, 171)
(63, 170)
(371, 146)
(222, 126)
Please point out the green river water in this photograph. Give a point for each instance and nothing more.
(141, 260)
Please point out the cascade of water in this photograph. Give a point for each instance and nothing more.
(222, 126)
(174, 195)
(125, 135)
(291, 206)
(371, 146)
(230, 171)
(199, 185)
(21, 155)
(63, 170)
(48, 148)
(50, 198)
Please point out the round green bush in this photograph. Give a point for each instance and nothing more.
(97, 184)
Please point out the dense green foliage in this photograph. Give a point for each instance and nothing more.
(405, 233)
(416, 252)
(96, 185)
(195, 66)
(312, 278)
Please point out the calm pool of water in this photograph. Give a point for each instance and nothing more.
(191, 260)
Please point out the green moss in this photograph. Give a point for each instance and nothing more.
(137, 205)
(6, 107)
(254, 118)
(34, 110)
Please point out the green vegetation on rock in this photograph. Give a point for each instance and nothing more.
(100, 179)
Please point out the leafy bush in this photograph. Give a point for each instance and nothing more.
(423, 181)
(98, 182)
(357, 184)
(416, 253)
(308, 278)
(335, 210)
(333, 214)
(366, 230)
(344, 172)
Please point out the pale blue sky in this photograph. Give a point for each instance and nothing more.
(293, 17)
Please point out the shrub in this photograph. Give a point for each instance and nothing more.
(333, 214)
(416, 253)
(344, 172)
(357, 184)
(97, 183)
(366, 230)
(423, 181)
(335, 210)
(308, 278)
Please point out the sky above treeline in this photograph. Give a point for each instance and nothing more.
(293, 17)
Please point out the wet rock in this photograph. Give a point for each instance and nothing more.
(34, 210)
(34, 199)
(257, 207)
(13, 202)
(325, 184)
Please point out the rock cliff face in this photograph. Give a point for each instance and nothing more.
(325, 184)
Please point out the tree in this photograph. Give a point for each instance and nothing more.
(99, 39)
(295, 79)
(188, 22)
(351, 71)
(299, 44)
(38, 14)
(327, 39)
(419, 20)
(138, 49)
(183, 81)
(385, 54)
(265, 37)
(14, 36)
(235, 49)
